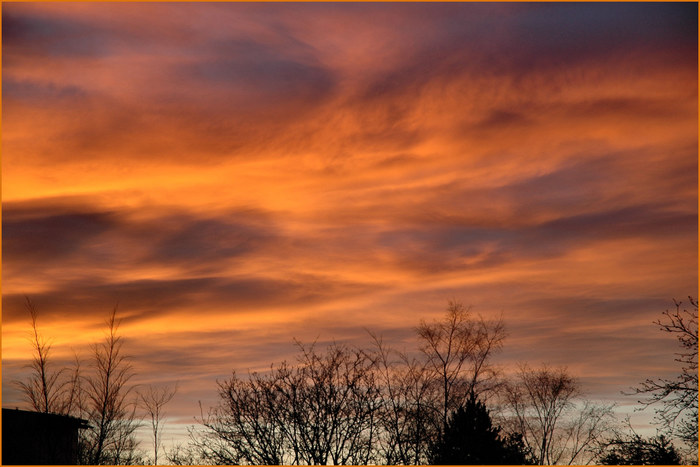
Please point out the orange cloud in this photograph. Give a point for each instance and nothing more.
(237, 175)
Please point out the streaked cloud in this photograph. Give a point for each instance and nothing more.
(239, 175)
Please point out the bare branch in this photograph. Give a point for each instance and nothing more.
(677, 399)
(458, 349)
(153, 400)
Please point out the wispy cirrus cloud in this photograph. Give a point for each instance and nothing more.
(237, 175)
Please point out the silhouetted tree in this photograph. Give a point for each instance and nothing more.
(419, 393)
(108, 407)
(458, 349)
(340, 406)
(411, 415)
(678, 397)
(558, 427)
(636, 450)
(471, 438)
(102, 397)
(153, 400)
(184, 454)
(354, 406)
(323, 410)
(46, 389)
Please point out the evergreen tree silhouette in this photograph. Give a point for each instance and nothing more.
(471, 438)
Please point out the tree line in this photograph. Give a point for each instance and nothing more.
(443, 402)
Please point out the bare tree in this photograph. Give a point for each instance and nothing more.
(458, 350)
(340, 405)
(153, 400)
(323, 410)
(108, 407)
(586, 432)
(245, 427)
(557, 425)
(99, 397)
(678, 397)
(44, 389)
(423, 416)
(411, 414)
(181, 454)
(351, 405)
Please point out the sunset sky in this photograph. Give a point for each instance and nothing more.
(235, 176)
